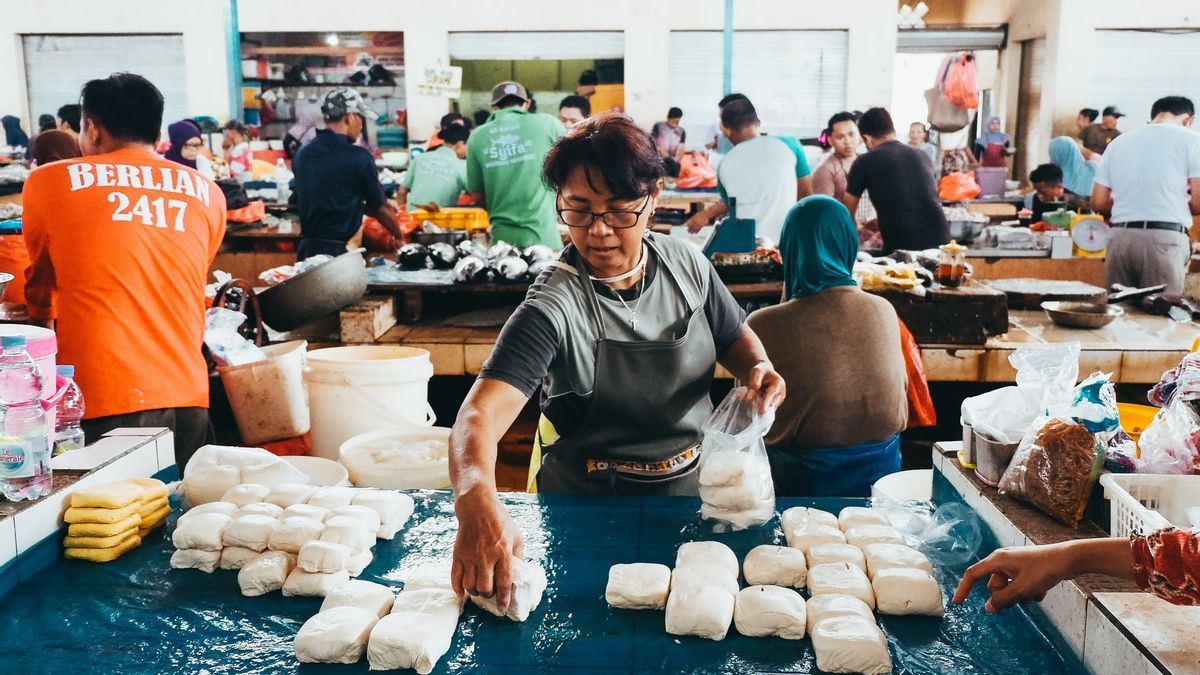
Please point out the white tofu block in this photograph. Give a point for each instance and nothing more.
(725, 469)
(202, 531)
(266, 573)
(851, 644)
(769, 611)
(317, 584)
(700, 575)
(638, 586)
(204, 484)
(349, 534)
(309, 511)
(832, 553)
(888, 556)
(417, 632)
(365, 515)
(223, 508)
(768, 565)
(287, 494)
(293, 533)
(840, 578)
(793, 518)
(432, 575)
(707, 553)
(332, 497)
(701, 610)
(821, 607)
(529, 582)
(195, 559)
(259, 509)
(246, 493)
(358, 562)
(388, 528)
(732, 497)
(272, 474)
(336, 635)
(865, 535)
(853, 516)
(810, 534)
(366, 595)
(392, 506)
(902, 591)
(323, 557)
(236, 557)
(252, 532)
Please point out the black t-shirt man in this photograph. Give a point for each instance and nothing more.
(900, 180)
(335, 180)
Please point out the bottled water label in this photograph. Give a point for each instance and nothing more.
(16, 460)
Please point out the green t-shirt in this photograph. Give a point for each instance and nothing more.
(437, 176)
(504, 162)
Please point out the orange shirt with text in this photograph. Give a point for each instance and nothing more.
(119, 247)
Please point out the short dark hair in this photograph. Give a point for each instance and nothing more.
(46, 122)
(454, 134)
(574, 101)
(614, 147)
(739, 114)
(1176, 105)
(1090, 113)
(674, 113)
(236, 125)
(838, 118)
(449, 119)
(481, 117)
(126, 105)
(876, 123)
(1046, 173)
(70, 113)
(588, 78)
(510, 101)
(730, 98)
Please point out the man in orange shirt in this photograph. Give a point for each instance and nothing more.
(120, 241)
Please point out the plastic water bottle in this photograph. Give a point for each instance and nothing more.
(24, 441)
(283, 189)
(68, 434)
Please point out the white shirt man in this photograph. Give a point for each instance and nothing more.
(1143, 182)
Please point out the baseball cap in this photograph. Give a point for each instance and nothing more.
(1112, 111)
(506, 89)
(343, 101)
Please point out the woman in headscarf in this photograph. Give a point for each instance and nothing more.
(13, 133)
(992, 145)
(1078, 173)
(838, 348)
(308, 120)
(54, 145)
(186, 143)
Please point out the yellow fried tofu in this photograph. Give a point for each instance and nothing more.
(149, 509)
(104, 554)
(88, 514)
(104, 529)
(98, 542)
(153, 489)
(156, 518)
(108, 496)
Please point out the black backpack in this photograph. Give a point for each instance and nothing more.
(235, 194)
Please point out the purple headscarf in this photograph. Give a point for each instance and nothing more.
(179, 133)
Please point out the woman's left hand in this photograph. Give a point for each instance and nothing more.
(768, 385)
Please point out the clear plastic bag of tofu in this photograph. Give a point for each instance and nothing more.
(736, 489)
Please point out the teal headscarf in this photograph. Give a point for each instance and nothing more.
(1078, 173)
(819, 245)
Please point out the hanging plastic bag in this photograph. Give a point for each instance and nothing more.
(696, 172)
(1060, 457)
(957, 187)
(735, 475)
(227, 346)
(961, 88)
(921, 412)
(1045, 374)
(944, 116)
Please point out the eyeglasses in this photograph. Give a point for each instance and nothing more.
(194, 146)
(617, 220)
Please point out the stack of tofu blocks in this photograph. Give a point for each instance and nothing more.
(852, 565)
(301, 539)
(106, 521)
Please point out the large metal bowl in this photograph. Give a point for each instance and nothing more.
(310, 295)
(1081, 314)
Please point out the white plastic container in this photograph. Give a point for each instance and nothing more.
(353, 390)
(267, 397)
(320, 471)
(1143, 502)
(399, 458)
(911, 485)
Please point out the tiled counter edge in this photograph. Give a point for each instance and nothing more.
(30, 540)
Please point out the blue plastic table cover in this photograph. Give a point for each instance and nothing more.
(135, 615)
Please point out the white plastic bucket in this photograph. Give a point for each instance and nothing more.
(399, 458)
(267, 397)
(353, 390)
(912, 485)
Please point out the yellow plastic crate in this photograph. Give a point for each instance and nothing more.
(455, 218)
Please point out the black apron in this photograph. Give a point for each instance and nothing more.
(648, 403)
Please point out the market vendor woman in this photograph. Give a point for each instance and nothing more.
(622, 336)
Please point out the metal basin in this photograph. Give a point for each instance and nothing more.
(1081, 314)
(310, 295)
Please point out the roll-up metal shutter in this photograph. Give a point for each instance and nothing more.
(514, 46)
(795, 78)
(57, 66)
(1030, 139)
(1132, 69)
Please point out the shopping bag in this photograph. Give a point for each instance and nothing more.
(696, 172)
(961, 88)
(956, 187)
